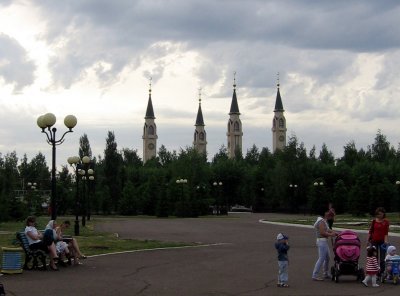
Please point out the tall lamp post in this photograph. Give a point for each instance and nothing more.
(182, 182)
(292, 202)
(90, 180)
(216, 184)
(75, 161)
(31, 187)
(45, 122)
(87, 175)
(317, 186)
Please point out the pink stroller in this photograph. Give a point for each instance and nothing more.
(347, 252)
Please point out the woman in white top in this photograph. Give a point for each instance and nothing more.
(36, 242)
(322, 233)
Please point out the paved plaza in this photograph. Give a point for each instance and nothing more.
(237, 257)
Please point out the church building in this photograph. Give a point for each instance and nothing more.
(149, 132)
(278, 124)
(234, 128)
(200, 135)
(234, 132)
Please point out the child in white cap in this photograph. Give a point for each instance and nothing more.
(282, 247)
(391, 252)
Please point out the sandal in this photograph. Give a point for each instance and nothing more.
(284, 285)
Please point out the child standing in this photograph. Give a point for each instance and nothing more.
(372, 267)
(282, 247)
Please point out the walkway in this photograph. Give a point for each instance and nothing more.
(239, 259)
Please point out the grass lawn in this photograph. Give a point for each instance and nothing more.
(90, 241)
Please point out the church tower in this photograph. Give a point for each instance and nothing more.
(234, 132)
(278, 124)
(149, 132)
(200, 135)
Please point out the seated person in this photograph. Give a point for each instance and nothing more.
(61, 246)
(391, 252)
(37, 242)
(72, 243)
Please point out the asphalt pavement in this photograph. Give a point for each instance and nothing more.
(235, 256)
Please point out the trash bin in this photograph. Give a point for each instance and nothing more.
(12, 260)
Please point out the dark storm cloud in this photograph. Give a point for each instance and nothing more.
(256, 37)
(15, 67)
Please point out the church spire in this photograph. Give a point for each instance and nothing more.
(149, 131)
(234, 103)
(199, 118)
(278, 122)
(200, 135)
(234, 132)
(278, 101)
(149, 111)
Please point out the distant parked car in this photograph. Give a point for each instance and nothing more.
(240, 208)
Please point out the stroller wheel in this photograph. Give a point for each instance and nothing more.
(333, 273)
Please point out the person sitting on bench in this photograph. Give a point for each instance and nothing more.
(72, 242)
(37, 241)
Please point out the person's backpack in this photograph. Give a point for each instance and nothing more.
(2, 291)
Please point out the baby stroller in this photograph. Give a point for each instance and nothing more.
(392, 270)
(346, 249)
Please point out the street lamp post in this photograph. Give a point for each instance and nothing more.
(87, 174)
(75, 161)
(182, 182)
(90, 180)
(216, 184)
(31, 187)
(45, 122)
(319, 185)
(293, 188)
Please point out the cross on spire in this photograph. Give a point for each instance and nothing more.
(199, 95)
(277, 80)
(150, 84)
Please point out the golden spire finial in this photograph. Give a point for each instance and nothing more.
(234, 79)
(199, 95)
(277, 80)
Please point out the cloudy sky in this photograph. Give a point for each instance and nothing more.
(338, 63)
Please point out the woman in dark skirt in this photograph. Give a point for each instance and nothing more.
(38, 242)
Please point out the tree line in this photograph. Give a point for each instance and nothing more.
(292, 180)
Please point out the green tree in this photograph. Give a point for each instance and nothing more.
(351, 155)
(326, 156)
(340, 195)
(129, 202)
(252, 156)
(112, 169)
(360, 196)
(84, 147)
(166, 157)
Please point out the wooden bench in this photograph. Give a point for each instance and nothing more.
(32, 257)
